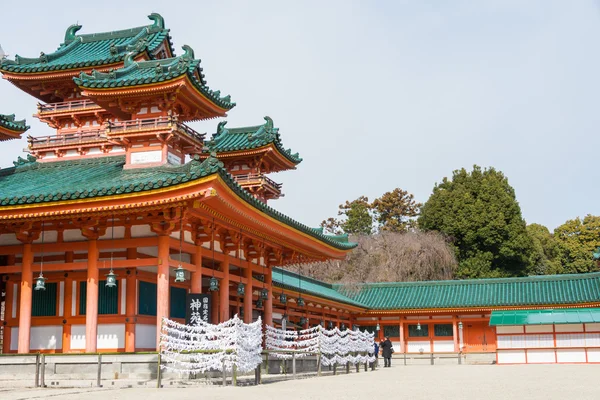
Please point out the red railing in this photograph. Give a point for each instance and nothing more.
(66, 106)
(66, 138)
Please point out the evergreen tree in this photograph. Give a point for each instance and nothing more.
(395, 210)
(479, 212)
(578, 239)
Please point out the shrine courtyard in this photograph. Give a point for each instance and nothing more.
(410, 382)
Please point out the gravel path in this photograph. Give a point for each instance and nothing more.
(446, 382)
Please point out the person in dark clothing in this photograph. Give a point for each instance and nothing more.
(386, 351)
(376, 353)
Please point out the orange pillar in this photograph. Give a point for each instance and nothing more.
(455, 334)
(68, 302)
(269, 302)
(162, 284)
(248, 294)
(224, 291)
(130, 292)
(196, 276)
(91, 304)
(402, 344)
(25, 303)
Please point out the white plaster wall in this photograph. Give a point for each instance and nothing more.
(123, 296)
(141, 231)
(73, 297)
(568, 327)
(593, 355)
(511, 357)
(46, 337)
(592, 339)
(145, 336)
(542, 340)
(14, 300)
(73, 235)
(592, 327)
(441, 317)
(570, 340)
(509, 329)
(570, 355)
(538, 328)
(119, 233)
(61, 298)
(443, 345)
(396, 346)
(151, 251)
(541, 356)
(415, 347)
(78, 337)
(111, 336)
(49, 237)
(14, 338)
(8, 239)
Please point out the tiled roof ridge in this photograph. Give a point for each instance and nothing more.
(9, 122)
(485, 281)
(277, 270)
(157, 26)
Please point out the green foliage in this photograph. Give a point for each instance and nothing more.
(479, 211)
(358, 219)
(395, 210)
(545, 257)
(578, 240)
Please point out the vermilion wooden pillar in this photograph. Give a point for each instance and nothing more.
(25, 302)
(402, 343)
(224, 291)
(68, 302)
(455, 334)
(196, 277)
(130, 292)
(269, 302)
(248, 294)
(162, 285)
(91, 304)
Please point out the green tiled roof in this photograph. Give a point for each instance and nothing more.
(30, 182)
(298, 283)
(528, 291)
(247, 138)
(8, 122)
(546, 317)
(84, 51)
(154, 71)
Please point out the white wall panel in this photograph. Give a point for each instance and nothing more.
(443, 346)
(570, 355)
(145, 336)
(568, 327)
(78, 337)
(509, 329)
(396, 346)
(592, 327)
(9, 239)
(415, 347)
(593, 355)
(541, 356)
(123, 296)
(73, 235)
(592, 339)
(46, 337)
(14, 338)
(511, 356)
(61, 298)
(112, 336)
(141, 231)
(15, 295)
(538, 328)
(570, 340)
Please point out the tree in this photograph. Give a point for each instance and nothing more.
(395, 210)
(390, 257)
(358, 219)
(578, 239)
(545, 257)
(479, 211)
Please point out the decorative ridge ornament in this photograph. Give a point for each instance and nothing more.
(71, 31)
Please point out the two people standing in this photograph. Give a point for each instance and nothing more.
(386, 351)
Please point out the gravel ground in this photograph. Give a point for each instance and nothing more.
(446, 382)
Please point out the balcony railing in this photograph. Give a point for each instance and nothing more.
(147, 124)
(66, 139)
(66, 106)
(257, 179)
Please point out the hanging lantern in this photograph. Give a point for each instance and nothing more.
(418, 326)
(213, 284)
(179, 274)
(111, 279)
(300, 302)
(330, 325)
(343, 327)
(259, 303)
(264, 294)
(283, 298)
(40, 282)
(377, 327)
(241, 289)
(303, 321)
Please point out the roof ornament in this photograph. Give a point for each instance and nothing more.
(188, 52)
(128, 60)
(113, 49)
(158, 69)
(70, 33)
(221, 128)
(43, 57)
(158, 20)
(264, 132)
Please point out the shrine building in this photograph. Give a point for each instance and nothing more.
(110, 222)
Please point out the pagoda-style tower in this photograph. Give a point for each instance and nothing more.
(11, 129)
(117, 93)
(250, 153)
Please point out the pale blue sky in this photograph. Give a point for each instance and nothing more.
(377, 95)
